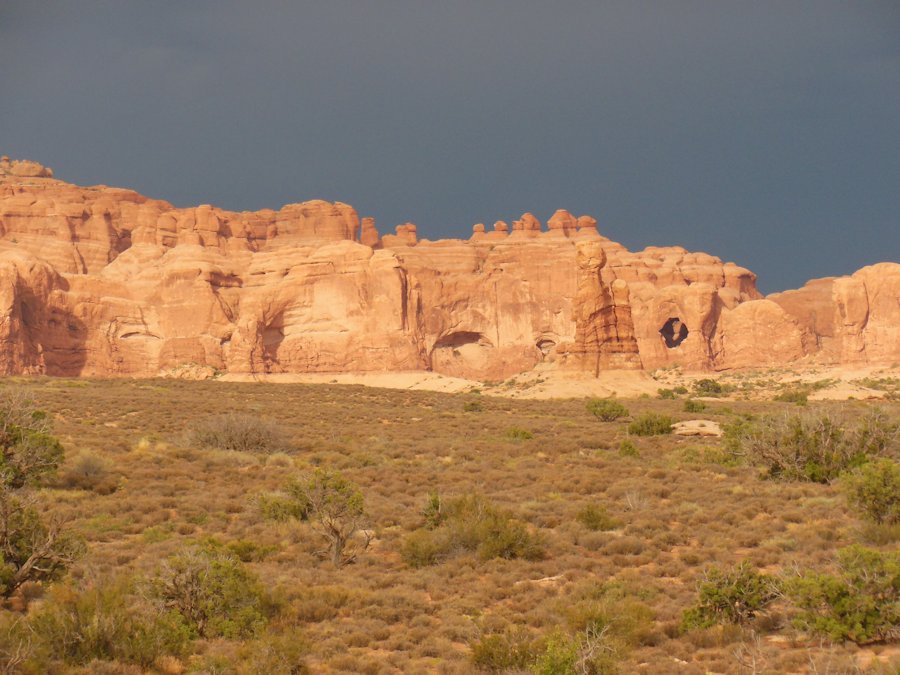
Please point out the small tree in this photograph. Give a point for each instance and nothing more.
(337, 512)
(31, 548)
(213, 591)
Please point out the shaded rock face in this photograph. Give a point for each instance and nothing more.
(104, 281)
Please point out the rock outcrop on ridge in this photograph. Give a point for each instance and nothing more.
(104, 281)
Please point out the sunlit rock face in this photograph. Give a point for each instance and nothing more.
(104, 281)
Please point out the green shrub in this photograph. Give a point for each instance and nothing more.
(239, 432)
(213, 592)
(607, 620)
(422, 548)
(733, 434)
(472, 523)
(731, 596)
(861, 603)
(512, 649)
(814, 447)
(280, 507)
(595, 518)
(666, 394)
(291, 502)
(799, 396)
(28, 450)
(692, 406)
(708, 387)
(518, 434)
(680, 390)
(874, 489)
(472, 406)
(501, 536)
(106, 621)
(606, 409)
(559, 655)
(627, 448)
(651, 424)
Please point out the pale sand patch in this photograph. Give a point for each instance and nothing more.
(540, 383)
(547, 382)
(415, 380)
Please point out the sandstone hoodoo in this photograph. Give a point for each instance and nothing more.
(104, 281)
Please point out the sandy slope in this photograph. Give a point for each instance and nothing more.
(546, 382)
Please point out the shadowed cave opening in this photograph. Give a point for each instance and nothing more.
(456, 340)
(545, 346)
(461, 354)
(674, 332)
(272, 337)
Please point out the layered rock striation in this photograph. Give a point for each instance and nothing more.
(104, 281)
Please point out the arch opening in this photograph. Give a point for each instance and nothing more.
(674, 332)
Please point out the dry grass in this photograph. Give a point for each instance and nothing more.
(673, 511)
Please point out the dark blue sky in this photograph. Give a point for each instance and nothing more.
(767, 133)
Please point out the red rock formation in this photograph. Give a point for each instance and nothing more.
(604, 330)
(849, 320)
(104, 281)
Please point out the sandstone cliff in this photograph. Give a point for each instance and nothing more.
(104, 281)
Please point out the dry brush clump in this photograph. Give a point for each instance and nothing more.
(815, 446)
(239, 432)
(470, 523)
(104, 620)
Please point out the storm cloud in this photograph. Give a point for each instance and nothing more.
(767, 133)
